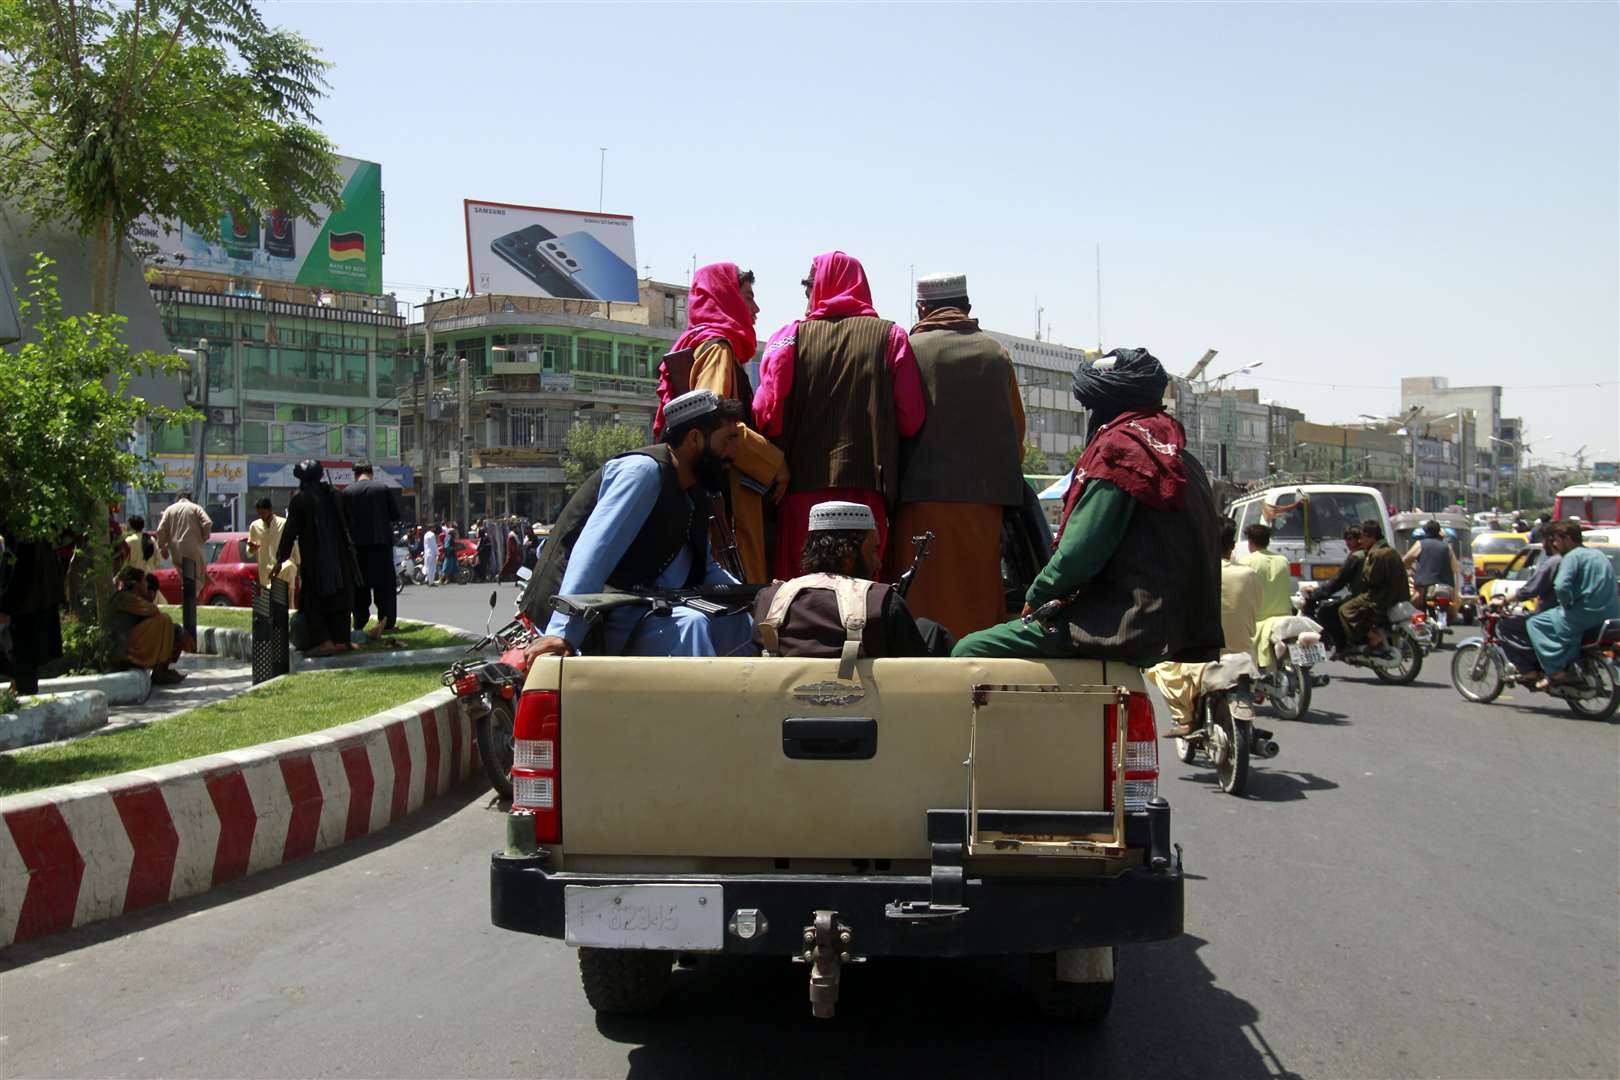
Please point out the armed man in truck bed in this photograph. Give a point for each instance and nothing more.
(1135, 571)
(634, 524)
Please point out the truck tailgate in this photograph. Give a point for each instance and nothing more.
(691, 757)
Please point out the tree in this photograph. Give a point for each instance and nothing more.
(1074, 456)
(587, 446)
(70, 423)
(1034, 459)
(111, 111)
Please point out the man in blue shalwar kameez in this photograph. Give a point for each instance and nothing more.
(1586, 599)
(642, 521)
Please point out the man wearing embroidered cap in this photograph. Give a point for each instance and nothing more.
(838, 390)
(710, 355)
(834, 609)
(1135, 574)
(964, 467)
(635, 524)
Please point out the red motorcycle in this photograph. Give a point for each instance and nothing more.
(487, 691)
(1480, 669)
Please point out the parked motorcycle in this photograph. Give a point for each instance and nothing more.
(1226, 738)
(487, 690)
(1480, 669)
(1296, 648)
(402, 568)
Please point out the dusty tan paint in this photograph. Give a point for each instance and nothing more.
(683, 758)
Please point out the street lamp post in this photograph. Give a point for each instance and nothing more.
(1202, 390)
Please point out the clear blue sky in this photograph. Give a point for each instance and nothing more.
(1348, 193)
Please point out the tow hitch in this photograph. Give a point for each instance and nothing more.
(826, 949)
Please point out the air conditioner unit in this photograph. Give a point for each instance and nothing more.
(222, 414)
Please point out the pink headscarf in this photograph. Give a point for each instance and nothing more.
(715, 309)
(839, 288)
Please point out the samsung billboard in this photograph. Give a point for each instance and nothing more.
(339, 249)
(536, 251)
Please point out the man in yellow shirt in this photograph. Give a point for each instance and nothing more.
(263, 536)
(1276, 588)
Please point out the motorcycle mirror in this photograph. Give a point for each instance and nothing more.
(492, 598)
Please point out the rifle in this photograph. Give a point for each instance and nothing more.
(903, 586)
(726, 553)
(1050, 614)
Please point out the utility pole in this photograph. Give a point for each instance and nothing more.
(424, 419)
(463, 406)
(199, 433)
(601, 179)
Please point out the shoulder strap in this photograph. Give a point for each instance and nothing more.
(851, 596)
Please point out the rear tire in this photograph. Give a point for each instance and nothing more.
(1232, 773)
(220, 600)
(1067, 1002)
(1484, 688)
(1406, 669)
(625, 981)
(1596, 708)
(494, 734)
(1295, 701)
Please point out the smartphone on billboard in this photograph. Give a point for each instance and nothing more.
(595, 269)
(279, 239)
(520, 250)
(240, 233)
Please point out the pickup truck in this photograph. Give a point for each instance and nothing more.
(765, 806)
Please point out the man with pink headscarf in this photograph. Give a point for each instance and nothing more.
(838, 390)
(720, 333)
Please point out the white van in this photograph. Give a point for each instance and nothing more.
(1307, 523)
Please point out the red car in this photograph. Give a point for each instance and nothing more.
(229, 577)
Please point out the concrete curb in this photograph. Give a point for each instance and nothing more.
(238, 644)
(79, 853)
(121, 687)
(43, 719)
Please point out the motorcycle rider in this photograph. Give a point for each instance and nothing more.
(1428, 559)
(1276, 585)
(1384, 579)
(1320, 601)
(1511, 632)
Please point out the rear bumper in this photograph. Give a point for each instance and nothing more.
(997, 915)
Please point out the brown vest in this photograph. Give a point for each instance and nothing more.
(812, 626)
(838, 423)
(968, 450)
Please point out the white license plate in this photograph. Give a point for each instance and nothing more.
(687, 918)
(1306, 655)
(1441, 619)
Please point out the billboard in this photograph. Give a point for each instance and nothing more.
(341, 250)
(565, 254)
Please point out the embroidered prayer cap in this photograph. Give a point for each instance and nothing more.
(842, 517)
(942, 287)
(689, 406)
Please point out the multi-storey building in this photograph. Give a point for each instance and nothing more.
(293, 373)
(535, 368)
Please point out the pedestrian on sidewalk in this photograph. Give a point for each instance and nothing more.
(315, 522)
(373, 507)
(430, 555)
(180, 535)
(32, 592)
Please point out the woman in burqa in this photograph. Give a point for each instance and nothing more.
(317, 524)
(1135, 567)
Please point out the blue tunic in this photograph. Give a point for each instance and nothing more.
(630, 487)
(1586, 597)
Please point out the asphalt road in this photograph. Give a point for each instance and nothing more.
(1415, 887)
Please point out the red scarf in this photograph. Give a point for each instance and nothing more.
(1139, 452)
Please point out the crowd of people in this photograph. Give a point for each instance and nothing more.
(492, 550)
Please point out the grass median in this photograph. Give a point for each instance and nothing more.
(296, 705)
(410, 635)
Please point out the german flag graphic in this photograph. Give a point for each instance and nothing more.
(346, 246)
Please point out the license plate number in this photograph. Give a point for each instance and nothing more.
(1441, 619)
(1307, 655)
(685, 918)
(1323, 573)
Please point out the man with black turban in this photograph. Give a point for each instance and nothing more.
(1134, 574)
(318, 526)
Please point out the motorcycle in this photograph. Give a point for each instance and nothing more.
(1480, 669)
(1296, 648)
(1399, 659)
(1225, 738)
(402, 569)
(1434, 621)
(487, 690)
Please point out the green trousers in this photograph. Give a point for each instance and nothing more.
(1017, 638)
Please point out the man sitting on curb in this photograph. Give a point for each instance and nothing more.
(146, 637)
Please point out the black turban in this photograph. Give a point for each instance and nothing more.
(1134, 380)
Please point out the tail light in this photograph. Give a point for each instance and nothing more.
(466, 686)
(1141, 752)
(536, 746)
(1293, 569)
(1442, 601)
(1418, 618)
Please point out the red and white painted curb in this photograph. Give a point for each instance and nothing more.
(74, 854)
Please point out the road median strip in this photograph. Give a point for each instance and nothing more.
(97, 848)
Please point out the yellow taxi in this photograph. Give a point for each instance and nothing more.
(1493, 551)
